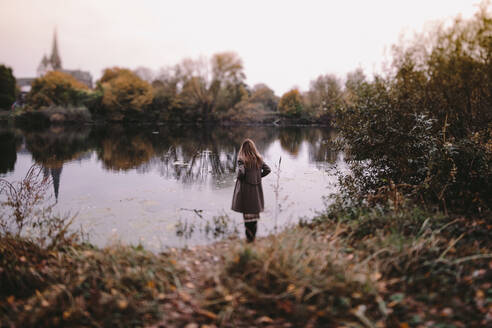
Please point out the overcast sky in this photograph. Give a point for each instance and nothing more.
(282, 43)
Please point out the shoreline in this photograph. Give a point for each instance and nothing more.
(57, 116)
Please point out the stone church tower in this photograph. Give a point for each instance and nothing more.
(55, 56)
(54, 63)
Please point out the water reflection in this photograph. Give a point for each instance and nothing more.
(53, 147)
(189, 155)
(10, 143)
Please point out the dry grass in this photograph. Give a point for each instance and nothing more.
(383, 269)
(299, 275)
(118, 286)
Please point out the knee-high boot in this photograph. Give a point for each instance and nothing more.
(250, 228)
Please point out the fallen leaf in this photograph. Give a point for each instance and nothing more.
(207, 314)
(122, 304)
(192, 325)
(185, 296)
(264, 319)
(376, 276)
(447, 312)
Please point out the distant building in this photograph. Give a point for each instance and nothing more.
(54, 63)
(82, 76)
(24, 84)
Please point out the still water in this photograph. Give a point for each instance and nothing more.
(171, 186)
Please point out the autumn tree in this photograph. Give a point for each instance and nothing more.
(354, 83)
(291, 103)
(324, 96)
(448, 72)
(257, 104)
(262, 94)
(166, 85)
(145, 73)
(123, 90)
(56, 89)
(227, 85)
(7, 87)
(196, 98)
(210, 86)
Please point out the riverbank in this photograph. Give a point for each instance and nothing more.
(60, 116)
(367, 268)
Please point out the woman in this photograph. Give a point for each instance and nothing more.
(248, 193)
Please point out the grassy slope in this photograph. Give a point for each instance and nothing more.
(367, 268)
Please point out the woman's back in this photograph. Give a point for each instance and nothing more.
(248, 192)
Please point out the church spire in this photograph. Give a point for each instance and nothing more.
(55, 58)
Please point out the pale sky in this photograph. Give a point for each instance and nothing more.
(282, 43)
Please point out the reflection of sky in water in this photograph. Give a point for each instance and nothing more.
(145, 204)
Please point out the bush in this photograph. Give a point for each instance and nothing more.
(391, 147)
(424, 130)
(56, 89)
(7, 87)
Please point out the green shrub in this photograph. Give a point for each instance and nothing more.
(424, 130)
(390, 148)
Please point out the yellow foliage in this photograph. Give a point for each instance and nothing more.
(56, 78)
(124, 154)
(55, 88)
(291, 103)
(123, 90)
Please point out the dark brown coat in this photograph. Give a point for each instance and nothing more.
(248, 193)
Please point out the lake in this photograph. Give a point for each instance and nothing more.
(171, 186)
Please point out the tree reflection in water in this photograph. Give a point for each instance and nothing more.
(188, 154)
(10, 142)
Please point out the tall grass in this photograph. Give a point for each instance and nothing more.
(27, 211)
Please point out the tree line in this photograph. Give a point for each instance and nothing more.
(192, 90)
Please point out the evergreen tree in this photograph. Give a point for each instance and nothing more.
(7, 87)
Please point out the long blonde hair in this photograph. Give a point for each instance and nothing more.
(249, 154)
